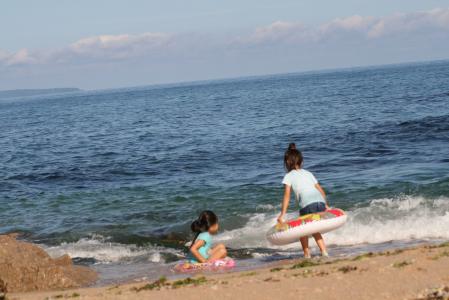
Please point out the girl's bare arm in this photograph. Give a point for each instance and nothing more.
(194, 250)
(285, 203)
(320, 189)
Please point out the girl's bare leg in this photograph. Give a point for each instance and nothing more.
(305, 246)
(320, 242)
(217, 252)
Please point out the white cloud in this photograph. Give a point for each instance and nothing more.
(20, 57)
(359, 26)
(119, 46)
(294, 32)
(433, 20)
(97, 48)
(160, 47)
(353, 23)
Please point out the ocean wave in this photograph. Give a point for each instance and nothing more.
(406, 218)
(435, 124)
(383, 220)
(99, 249)
(267, 207)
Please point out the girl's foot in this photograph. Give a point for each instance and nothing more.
(324, 254)
(307, 256)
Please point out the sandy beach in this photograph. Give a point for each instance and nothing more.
(418, 273)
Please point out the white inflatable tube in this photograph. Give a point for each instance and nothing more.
(327, 222)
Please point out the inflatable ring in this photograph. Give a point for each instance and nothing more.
(217, 265)
(292, 230)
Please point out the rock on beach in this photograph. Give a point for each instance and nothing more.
(27, 267)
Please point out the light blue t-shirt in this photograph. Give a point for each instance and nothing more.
(303, 185)
(204, 250)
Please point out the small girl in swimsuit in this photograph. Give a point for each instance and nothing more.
(308, 192)
(201, 249)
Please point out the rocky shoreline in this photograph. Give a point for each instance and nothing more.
(25, 267)
(420, 273)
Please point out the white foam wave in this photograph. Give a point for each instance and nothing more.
(105, 252)
(252, 235)
(383, 220)
(267, 207)
(407, 218)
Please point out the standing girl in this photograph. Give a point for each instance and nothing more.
(308, 192)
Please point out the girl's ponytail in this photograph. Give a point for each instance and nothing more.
(196, 226)
(292, 158)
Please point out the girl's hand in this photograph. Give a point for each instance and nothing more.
(281, 219)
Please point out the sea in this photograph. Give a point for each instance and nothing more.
(115, 177)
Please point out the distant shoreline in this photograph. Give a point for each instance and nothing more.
(35, 92)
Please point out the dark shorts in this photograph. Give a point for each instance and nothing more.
(312, 208)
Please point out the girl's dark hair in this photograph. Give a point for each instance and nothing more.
(205, 220)
(292, 158)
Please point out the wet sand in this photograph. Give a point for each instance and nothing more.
(417, 273)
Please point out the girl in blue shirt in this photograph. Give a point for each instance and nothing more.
(308, 192)
(201, 249)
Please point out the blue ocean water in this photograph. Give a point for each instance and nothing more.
(115, 177)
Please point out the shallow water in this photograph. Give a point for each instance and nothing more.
(115, 177)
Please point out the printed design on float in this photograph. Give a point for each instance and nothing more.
(220, 264)
(328, 214)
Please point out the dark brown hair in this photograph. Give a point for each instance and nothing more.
(205, 220)
(292, 158)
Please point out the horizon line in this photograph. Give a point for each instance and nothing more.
(242, 77)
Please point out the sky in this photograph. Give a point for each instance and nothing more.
(100, 44)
